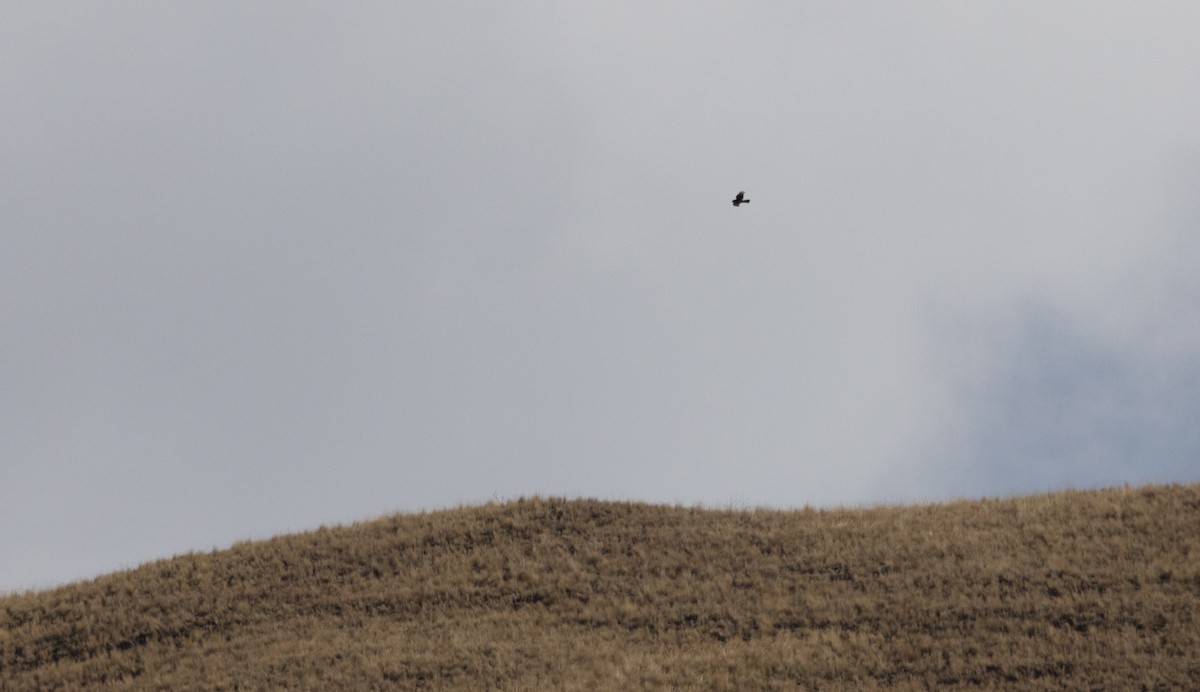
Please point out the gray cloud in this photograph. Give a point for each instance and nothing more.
(1049, 403)
(268, 267)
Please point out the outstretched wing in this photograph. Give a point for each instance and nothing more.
(740, 195)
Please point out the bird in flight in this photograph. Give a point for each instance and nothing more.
(740, 199)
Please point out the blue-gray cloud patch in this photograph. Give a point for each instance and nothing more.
(1044, 400)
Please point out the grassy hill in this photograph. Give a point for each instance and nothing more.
(1077, 589)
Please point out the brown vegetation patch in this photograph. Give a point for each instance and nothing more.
(1078, 589)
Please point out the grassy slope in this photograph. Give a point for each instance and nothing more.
(1074, 589)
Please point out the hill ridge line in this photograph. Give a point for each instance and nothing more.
(1079, 588)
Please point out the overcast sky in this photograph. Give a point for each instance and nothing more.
(269, 266)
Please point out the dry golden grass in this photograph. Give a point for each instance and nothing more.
(1072, 590)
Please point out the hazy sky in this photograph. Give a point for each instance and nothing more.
(268, 266)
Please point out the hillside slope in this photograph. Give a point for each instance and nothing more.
(1075, 589)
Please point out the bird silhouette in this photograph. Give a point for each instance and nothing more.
(740, 199)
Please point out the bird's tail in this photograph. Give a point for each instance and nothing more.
(745, 201)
